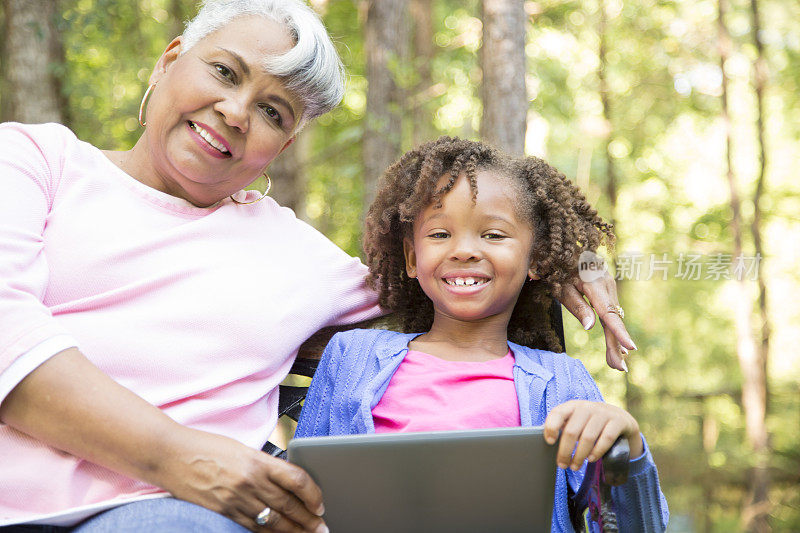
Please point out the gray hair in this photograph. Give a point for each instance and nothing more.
(311, 70)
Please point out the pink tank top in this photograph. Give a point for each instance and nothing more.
(428, 393)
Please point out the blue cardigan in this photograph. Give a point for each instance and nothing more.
(356, 368)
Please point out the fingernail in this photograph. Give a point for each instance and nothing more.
(321, 511)
(562, 465)
(623, 350)
(624, 366)
(634, 345)
(322, 528)
(587, 322)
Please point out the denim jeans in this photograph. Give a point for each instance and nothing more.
(161, 514)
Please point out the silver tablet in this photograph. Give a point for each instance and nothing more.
(483, 480)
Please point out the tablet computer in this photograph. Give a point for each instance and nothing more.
(482, 480)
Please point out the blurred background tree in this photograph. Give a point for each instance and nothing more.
(680, 119)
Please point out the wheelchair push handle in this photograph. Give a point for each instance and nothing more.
(616, 462)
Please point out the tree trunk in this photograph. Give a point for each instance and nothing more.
(632, 396)
(759, 493)
(760, 76)
(288, 174)
(421, 14)
(178, 13)
(31, 52)
(605, 99)
(5, 108)
(505, 102)
(709, 487)
(385, 41)
(754, 395)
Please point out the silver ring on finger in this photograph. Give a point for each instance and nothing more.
(263, 516)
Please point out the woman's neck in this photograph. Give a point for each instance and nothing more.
(138, 163)
(458, 340)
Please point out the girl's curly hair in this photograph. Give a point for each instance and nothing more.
(564, 226)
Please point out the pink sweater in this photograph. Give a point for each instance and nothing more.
(200, 311)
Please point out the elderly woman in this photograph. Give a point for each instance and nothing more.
(150, 306)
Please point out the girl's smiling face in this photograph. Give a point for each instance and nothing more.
(472, 258)
(217, 118)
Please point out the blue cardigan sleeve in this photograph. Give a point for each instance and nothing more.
(315, 418)
(639, 503)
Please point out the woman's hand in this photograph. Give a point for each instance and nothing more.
(227, 477)
(601, 293)
(593, 427)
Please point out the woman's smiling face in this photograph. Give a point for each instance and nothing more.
(217, 118)
(472, 258)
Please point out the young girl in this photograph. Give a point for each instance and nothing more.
(466, 244)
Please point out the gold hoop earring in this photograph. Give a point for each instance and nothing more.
(266, 193)
(146, 97)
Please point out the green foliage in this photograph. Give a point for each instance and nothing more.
(110, 49)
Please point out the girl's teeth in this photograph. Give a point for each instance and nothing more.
(464, 281)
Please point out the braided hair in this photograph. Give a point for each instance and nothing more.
(563, 222)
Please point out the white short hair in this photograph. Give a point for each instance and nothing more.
(312, 69)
